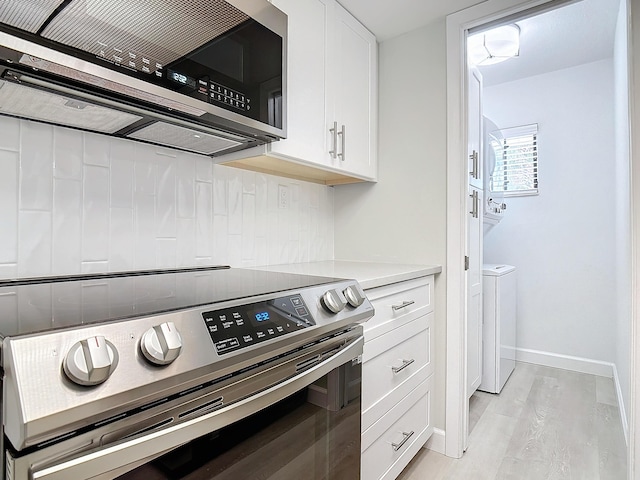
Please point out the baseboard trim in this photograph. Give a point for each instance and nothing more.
(567, 362)
(582, 365)
(623, 413)
(436, 441)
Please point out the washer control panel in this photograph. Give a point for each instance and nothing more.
(245, 325)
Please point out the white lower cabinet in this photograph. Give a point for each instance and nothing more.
(390, 443)
(397, 377)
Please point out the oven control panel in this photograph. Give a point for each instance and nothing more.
(245, 325)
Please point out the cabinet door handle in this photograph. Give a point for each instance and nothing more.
(334, 140)
(407, 436)
(403, 305)
(475, 204)
(405, 364)
(475, 166)
(342, 138)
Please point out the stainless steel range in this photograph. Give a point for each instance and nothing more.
(208, 373)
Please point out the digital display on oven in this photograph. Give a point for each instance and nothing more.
(234, 328)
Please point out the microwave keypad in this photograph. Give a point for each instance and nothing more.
(220, 94)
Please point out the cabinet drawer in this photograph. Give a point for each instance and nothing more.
(390, 444)
(397, 304)
(389, 373)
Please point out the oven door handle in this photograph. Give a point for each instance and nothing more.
(135, 451)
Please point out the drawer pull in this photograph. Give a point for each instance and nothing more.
(405, 364)
(403, 305)
(407, 436)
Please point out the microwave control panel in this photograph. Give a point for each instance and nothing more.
(212, 92)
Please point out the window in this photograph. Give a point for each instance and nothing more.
(516, 168)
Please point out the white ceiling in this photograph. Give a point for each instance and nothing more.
(579, 33)
(390, 18)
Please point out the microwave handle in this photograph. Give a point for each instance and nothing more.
(134, 452)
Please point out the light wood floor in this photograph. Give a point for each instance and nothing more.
(546, 423)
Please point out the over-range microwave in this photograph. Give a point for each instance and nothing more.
(207, 76)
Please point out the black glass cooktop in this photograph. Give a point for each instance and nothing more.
(35, 305)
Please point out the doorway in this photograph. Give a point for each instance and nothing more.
(491, 12)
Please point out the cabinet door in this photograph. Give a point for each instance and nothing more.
(306, 79)
(475, 129)
(474, 291)
(355, 95)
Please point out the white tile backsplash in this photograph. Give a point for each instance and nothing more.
(235, 188)
(166, 197)
(166, 253)
(79, 202)
(186, 187)
(121, 240)
(68, 147)
(67, 229)
(36, 166)
(122, 174)
(9, 181)
(204, 219)
(248, 227)
(95, 214)
(34, 243)
(9, 134)
(145, 223)
(96, 150)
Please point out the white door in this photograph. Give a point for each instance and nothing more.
(474, 291)
(306, 79)
(474, 242)
(475, 129)
(355, 74)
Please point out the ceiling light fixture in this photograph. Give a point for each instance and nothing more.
(494, 46)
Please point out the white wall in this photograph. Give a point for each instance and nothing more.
(81, 202)
(402, 218)
(622, 208)
(563, 241)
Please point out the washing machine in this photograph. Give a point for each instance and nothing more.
(499, 329)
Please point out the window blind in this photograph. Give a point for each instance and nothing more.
(516, 169)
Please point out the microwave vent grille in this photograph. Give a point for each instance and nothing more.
(112, 29)
(185, 138)
(27, 16)
(36, 104)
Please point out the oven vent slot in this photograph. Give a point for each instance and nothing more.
(308, 363)
(110, 420)
(331, 352)
(151, 427)
(154, 404)
(191, 390)
(57, 439)
(202, 409)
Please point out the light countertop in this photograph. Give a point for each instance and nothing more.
(368, 274)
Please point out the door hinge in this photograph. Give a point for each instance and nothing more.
(466, 262)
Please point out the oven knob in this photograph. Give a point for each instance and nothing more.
(354, 295)
(90, 361)
(334, 301)
(161, 344)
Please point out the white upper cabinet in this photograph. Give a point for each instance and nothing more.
(331, 81)
(306, 79)
(475, 129)
(354, 108)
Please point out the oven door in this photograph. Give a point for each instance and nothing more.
(307, 426)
